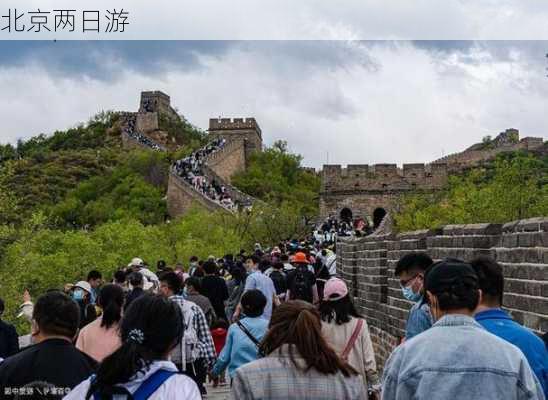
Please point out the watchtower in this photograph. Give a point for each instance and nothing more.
(238, 129)
(156, 101)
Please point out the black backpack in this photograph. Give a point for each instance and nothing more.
(280, 284)
(301, 285)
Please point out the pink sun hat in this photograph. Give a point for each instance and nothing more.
(335, 289)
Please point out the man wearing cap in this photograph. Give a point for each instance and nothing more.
(456, 358)
(138, 265)
(301, 282)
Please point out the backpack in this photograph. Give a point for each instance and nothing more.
(278, 278)
(189, 344)
(302, 287)
(147, 388)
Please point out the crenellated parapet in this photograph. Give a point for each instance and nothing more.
(382, 177)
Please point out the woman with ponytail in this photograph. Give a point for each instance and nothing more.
(298, 363)
(139, 369)
(101, 337)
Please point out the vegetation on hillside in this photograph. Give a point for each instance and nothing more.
(514, 186)
(276, 177)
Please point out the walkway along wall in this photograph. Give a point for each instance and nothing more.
(521, 247)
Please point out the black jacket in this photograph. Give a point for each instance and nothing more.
(9, 341)
(55, 361)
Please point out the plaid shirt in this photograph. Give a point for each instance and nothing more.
(205, 341)
(275, 377)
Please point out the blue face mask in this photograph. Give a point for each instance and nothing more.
(78, 295)
(410, 295)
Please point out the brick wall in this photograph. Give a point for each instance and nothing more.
(521, 247)
(229, 160)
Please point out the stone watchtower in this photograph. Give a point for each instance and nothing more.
(246, 131)
(158, 102)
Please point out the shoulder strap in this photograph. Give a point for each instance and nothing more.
(248, 334)
(352, 340)
(152, 383)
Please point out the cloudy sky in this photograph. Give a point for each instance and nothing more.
(349, 102)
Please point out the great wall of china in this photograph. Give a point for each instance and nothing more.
(367, 263)
(243, 137)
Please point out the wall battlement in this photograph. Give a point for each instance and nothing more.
(384, 177)
(363, 188)
(229, 124)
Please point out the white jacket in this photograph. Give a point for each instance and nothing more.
(176, 387)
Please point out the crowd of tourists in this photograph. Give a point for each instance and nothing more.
(130, 129)
(275, 323)
(190, 169)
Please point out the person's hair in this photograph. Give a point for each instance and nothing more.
(194, 282)
(238, 272)
(173, 281)
(120, 276)
(254, 258)
(220, 323)
(136, 279)
(111, 300)
(56, 313)
(253, 303)
(150, 328)
(2, 306)
(413, 262)
(94, 274)
(161, 264)
(298, 324)
(463, 293)
(490, 278)
(284, 258)
(193, 259)
(339, 310)
(210, 267)
(278, 265)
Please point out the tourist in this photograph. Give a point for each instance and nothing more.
(492, 317)
(244, 337)
(120, 279)
(410, 271)
(81, 293)
(136, 283)
(214, 288)
(279, 278)
(150, 329)
(53, 358)
(257, 280)
(456, 358)
(9, 342)
(347, 332)
(191, 292)
(298, 362)
(101, 337)
(301, 282)
(138, 265)
(236, 287)
(196, 354)
(95, 279)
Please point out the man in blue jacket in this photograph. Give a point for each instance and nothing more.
(497, 321)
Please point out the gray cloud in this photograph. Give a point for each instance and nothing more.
(361, 102)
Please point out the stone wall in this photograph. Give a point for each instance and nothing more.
(146, 122)
(181, 197)
(229, 160)
(246, 130)
(521, 247)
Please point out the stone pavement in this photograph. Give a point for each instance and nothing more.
(218, 393)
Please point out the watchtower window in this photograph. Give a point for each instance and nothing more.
(428, 175)
(384, 185)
